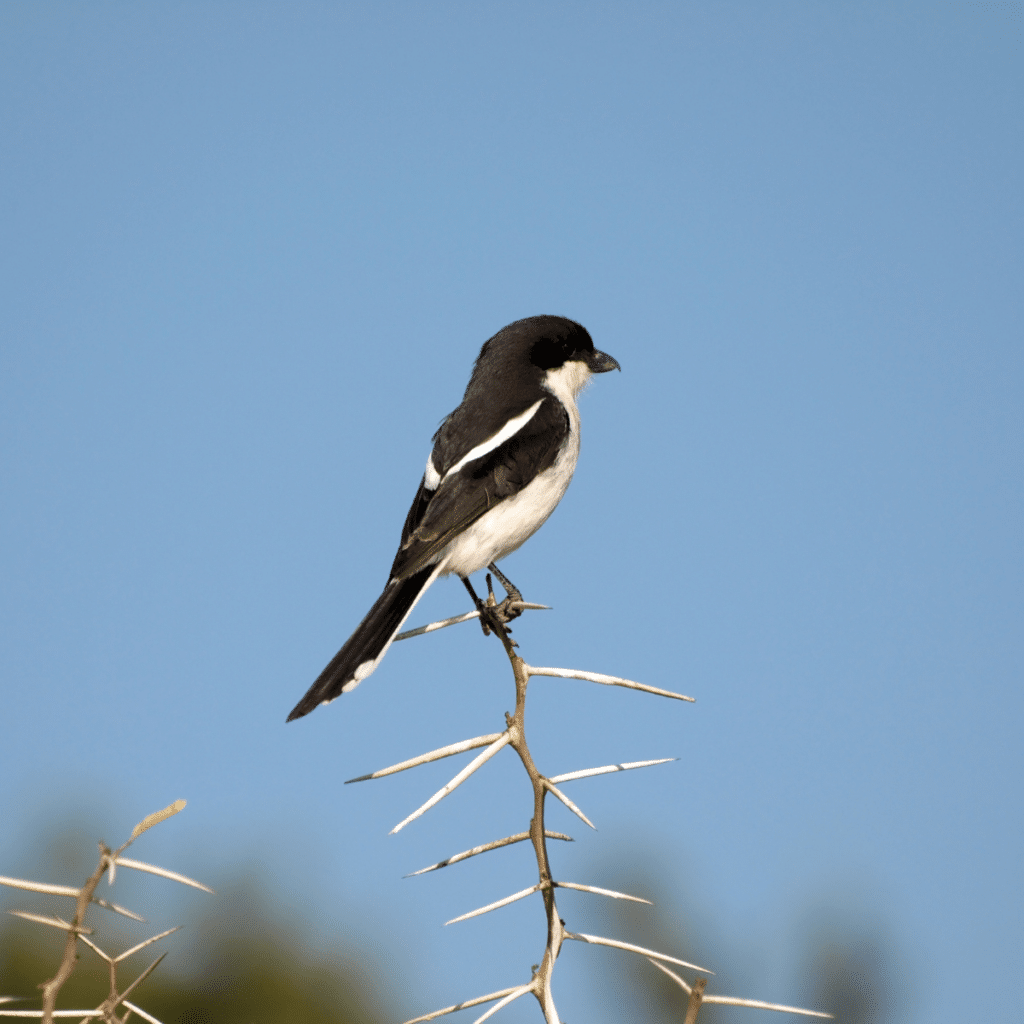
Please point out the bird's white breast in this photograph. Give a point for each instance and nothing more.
(502, 529)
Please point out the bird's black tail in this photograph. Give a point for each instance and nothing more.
(367, 645)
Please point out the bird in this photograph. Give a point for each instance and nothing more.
(500, 463)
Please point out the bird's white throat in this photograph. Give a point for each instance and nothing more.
(568, 380)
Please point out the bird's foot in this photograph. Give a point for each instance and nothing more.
(495, 615)
(512, 596)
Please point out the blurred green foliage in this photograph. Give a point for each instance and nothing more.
(849, 966)
(852, 971)
(243, 959)
(243, 965)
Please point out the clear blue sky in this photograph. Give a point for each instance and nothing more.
(250, 251)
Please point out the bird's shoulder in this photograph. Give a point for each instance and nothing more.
(481, 417)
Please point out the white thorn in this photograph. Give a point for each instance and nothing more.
(473, 765)
(432, 755)
(626, 766)
(568, 803)
(602, 892)
(599, 677)
(597, 940)
(152, 869)
(522, 894)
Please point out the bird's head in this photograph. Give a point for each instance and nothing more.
(555, 351)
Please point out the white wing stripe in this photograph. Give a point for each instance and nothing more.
(512, 427)
(431, 477)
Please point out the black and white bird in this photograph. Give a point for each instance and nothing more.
(500, 464)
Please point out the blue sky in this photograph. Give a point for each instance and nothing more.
(249, 254)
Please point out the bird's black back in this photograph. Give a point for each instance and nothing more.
(506, 380)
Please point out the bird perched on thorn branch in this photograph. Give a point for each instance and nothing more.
(500, 464)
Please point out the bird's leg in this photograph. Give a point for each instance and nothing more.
(491, 617)
(512, 593)
(478, 604)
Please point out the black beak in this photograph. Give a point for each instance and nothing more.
(601, 362)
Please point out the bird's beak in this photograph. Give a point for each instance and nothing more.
(601, 362)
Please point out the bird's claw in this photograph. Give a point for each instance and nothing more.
(495, 615)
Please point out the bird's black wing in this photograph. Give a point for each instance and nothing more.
(417, 510)
(436, 517)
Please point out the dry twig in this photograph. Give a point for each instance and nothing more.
(108, 862)
(515, 737)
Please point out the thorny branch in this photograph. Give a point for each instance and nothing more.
(541, 982)
(515, 736)
(67, 965)
(109, 861)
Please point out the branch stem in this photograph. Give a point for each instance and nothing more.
(538, 837)
(67, 964)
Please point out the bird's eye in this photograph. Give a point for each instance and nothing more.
(549, 353)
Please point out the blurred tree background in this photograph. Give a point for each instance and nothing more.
(242, 958)
(851, 966)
